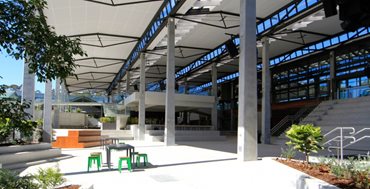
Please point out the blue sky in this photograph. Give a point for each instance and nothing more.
(11, 71)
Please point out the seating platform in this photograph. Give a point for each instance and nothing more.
(80, 138)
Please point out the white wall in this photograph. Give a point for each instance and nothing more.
(72, 119)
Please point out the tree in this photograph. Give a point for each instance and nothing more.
(305, 138)
(24, 34)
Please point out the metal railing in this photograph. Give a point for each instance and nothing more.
(289, 119)
(342, 137)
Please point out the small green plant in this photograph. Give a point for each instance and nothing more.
(45, 179)
(107, 119)
(49, 178)
(336, 168)
(132, 120)
(288, 152)
(362, 179)
(305, 138)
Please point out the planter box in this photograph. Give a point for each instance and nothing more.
(109, 126)
(83, 186)
(300, 179)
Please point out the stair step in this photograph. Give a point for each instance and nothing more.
(83, 139)
(27, 156)
(27, 147)
(91, 144)
(19, 166)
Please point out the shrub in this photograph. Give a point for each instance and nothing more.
(9, 179)
(45, 179)
(132, 120)
(49, 178)
(288, 153)
(107, 119)
(305, 138)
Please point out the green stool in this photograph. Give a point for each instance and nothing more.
(138, 156)
(128, 161)
(97, 154)
(91, 160)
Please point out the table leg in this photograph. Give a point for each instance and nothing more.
(133, 156)
(108, 157)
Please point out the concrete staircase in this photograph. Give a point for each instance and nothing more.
(21, 156)
(343, 113)
(127, 134)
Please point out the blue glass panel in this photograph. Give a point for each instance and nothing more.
(311, 2)
(362, 31)
(292, 10)
(343, 37)
(274, 20)
(260, 28)
(334, 40)
(282, 14)
(267, 24)
(327, 43)
(301, 6)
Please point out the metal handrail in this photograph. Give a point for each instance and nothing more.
(287, 118)
(357, 140)
(337, 139)
(280, 124)
(341, 138)
(339, 128)
(362, 130)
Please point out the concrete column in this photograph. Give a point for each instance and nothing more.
(332, 89)
(214, 93)
(127, 82)
(57, 107)
(47, 129)
(28, 90)
(113, 99)
(142, 98)
(169, 131)
(232, 100)
(186, 88)
(110, 98)
(266, 93)
(247, 118)
(63, 94)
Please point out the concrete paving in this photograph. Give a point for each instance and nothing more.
(189, 165)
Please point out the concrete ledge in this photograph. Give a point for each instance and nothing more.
(21, 148)
(21, 165)
(28, 156)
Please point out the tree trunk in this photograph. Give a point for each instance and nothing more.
(307, 158)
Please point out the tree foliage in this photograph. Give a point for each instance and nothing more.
(25, 34)
(305, 138)
(14, 118)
